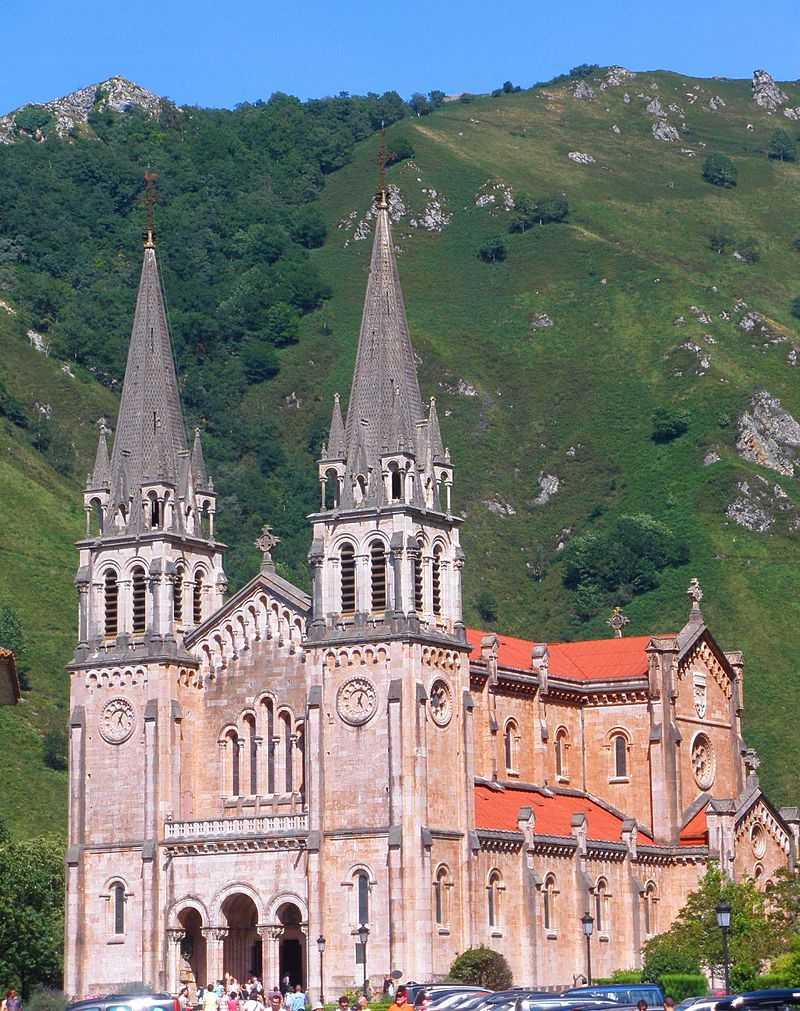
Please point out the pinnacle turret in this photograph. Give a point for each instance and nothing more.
(101, 474)
(202, 481)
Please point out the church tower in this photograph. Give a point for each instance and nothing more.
(387, 633)
(149, 572)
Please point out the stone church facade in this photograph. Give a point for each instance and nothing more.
(250, 773)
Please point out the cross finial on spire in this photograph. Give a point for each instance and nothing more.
(617, 622)
(266, 541)
(150, 197)
(381, 159)
(695, 594)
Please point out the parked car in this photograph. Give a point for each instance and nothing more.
(442, 1001)
(420, 993)
(698, 1004)
(127, 1002)
(654, 995)
(762, 1000)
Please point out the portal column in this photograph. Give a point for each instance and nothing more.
(215, 940)
(174, 940)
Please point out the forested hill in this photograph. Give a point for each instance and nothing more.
(599, 274)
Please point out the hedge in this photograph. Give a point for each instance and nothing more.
(681, 985)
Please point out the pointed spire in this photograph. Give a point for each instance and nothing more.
(336, 445)
(435, 435)
(150, 432)
(101, 475)
(384, 361)
(199, 472)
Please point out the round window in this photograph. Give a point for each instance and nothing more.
(704, 763)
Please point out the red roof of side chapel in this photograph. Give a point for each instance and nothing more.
(695, 831)
(591, 660)
(498, 809)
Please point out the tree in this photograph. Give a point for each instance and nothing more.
(420, 104)
(482, 966)
(54, 749)
(538, 211)
(795, 244)
(719, 238)
(31, 913)
(669, 423)
(781, 146)
(584, 70)
(486, 605)
(719, 171)
(402, 148)
(749, 250)
(259, 360)
(796, 307)
(493, 250)
(33, 118)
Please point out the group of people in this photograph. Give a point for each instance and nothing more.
(229, 994)
(11, 1002)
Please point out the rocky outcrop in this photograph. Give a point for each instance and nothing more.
(662, 130)
(583, 91)
(618, 75)
(769, 435)
(73, 110)
(548, 486)
(766, 92)
(581, 158)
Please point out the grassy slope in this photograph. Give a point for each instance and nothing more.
(640, 217)
(40, 518)
(589, 382)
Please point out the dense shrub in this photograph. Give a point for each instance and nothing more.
(662, 958)
(33, 118)
(482, 966)
(584, 70)
(486, 605)
(719, 238)
(680, 985)
(42, 998)
(54, 749)
(795, 308)
(493, 250)
(669, 423)
(539, 211)
(749, 250)
(402, 148)
(719, 171)
(781, 146)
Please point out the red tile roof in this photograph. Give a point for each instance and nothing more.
(497, 809)
(695, 831)
(591, 660)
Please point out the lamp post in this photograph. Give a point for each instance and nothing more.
(587, 924)
(321, 950)
(363, 936)
(724, 922)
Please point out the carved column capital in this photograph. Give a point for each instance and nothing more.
(176, 935)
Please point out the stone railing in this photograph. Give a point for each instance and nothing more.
(236, 828)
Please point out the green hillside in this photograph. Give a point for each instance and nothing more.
(627, 280)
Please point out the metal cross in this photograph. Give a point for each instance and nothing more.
(617, 621)
(150, 197)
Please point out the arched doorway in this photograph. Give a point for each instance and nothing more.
(292, 953)
(192, 970)
(241, 950)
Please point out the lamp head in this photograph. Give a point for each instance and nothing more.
(723, 915)
(587, 923)
(320, 944)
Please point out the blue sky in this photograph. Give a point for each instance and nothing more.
(220, 52)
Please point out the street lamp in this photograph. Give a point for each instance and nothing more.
(587, 923)
(724, 922)
(363, 936)
(321, 950)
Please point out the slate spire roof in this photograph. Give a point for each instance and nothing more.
(385, 403)
(150, 435)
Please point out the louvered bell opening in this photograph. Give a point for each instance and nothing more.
(348, 577)
(436, 582)
(197, 599)
(418, 581)
(378, 572)
(177, 597)
(139, 602)
(111, 604)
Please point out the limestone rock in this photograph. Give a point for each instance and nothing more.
(654, 108)
(581, 158)
(583, 91)
(662, 130)
(711, 457)
(769, 435)
(615, 128)
(548, 486)
(619, 75)
(541, 320)
(766, 92)
(748, 515)
(434, 217)
(499, 506)
(714, 103)
(499, 194)
(792, 113)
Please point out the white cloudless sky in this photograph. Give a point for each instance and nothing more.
(221, 52)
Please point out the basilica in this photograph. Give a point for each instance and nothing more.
(338, 786)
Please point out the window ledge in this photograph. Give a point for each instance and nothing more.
(604, 938)
(513, 773)
(551, 935)
(619, 779)
(444, 931)
(496, 933)
(117, 939)
(562, 779)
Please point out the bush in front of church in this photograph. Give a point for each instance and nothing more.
(481, 966)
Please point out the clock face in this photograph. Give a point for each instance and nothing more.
(441, 702)
(117, 721)
(357, 701)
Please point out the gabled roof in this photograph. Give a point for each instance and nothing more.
(695, 831)
(9, 682)
(498, 809)
(591, 660)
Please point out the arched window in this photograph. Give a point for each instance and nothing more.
(377, 559)
(436, 580)
(139, 601)
(252, 752)
(562, 753)
(197, 598)
(110, 603)
(620, 757)
(441, 897)
(300, 747)
(268, 733)
(396, 479)
(118, 907)
(332, 488)
(177, 596)
(650, 900)
(510, 744)
(417, 562)
(362, 897)
(155, 511)
(601, 906)
(347, 564)
(233, 745)
(286, 751)
(493, 889)
(549, 893)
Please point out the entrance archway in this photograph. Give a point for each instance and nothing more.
(192, 970)
(241, 949)
(292, 951)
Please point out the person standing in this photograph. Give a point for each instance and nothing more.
(296, 1001)
(400, 1000)
(286, 985)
